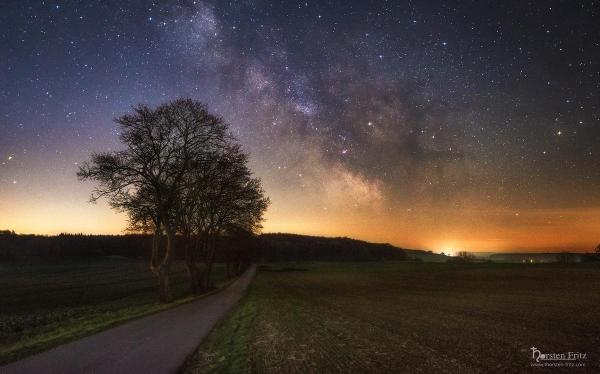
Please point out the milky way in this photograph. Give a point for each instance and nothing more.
(442, 125)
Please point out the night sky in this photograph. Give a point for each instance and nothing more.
(439, 125)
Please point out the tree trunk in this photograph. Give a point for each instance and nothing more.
(154, 257)
(210, 258)
(160, 268)
(164, 286)
(168, 252)
(193, 270)
(163, 270)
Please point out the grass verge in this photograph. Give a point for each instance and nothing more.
(227, 348)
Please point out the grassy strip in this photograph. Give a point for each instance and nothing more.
(62, 332)
(227, 348)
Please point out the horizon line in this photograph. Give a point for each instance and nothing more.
(549, 250)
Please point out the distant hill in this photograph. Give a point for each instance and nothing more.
(266, 247)
(293, 247)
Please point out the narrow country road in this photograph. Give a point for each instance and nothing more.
(158, 343)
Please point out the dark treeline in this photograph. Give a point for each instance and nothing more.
(233, 250)
(63, 245)
(262, 248)
(290, 247)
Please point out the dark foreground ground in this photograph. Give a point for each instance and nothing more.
(44, 303)
(158, 343)
(408, 317)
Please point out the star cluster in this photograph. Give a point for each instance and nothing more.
(427, 124)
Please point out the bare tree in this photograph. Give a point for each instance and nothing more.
(147, 178)
(221, 195)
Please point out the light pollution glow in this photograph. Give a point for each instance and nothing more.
(437, 230)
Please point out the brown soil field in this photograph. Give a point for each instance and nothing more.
(409, 317)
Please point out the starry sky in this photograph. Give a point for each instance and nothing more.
(442, 125)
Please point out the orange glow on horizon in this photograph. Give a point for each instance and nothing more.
(439, 230)
(53, 219)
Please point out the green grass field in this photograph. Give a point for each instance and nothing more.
(44, 303)
(407, 317)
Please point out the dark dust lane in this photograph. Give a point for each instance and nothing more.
(155, 344)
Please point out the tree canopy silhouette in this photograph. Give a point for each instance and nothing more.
(173, 155)
(222, 198)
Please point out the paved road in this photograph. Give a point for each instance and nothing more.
(158, 343)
